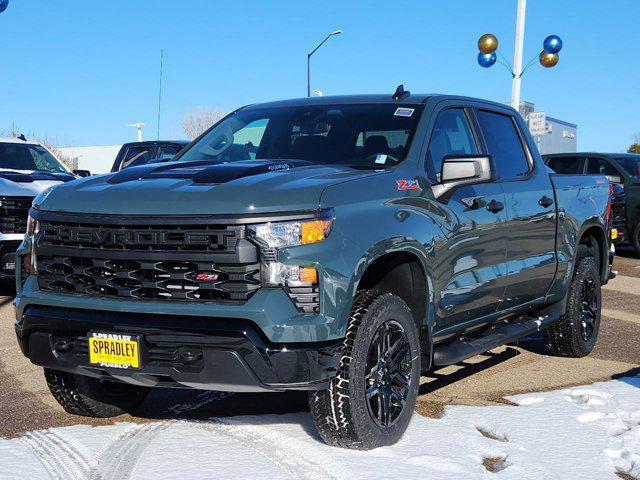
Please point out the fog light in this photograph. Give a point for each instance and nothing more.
(308, 275)
(614, 234)
(278, 275)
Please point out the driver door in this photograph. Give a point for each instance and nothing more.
(471, 268)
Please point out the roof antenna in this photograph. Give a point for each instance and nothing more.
(22, 137)
(401, 93)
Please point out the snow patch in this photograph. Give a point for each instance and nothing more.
(589, 432)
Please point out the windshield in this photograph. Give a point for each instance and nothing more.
(360, 136)
(631, 164)
(18, 156)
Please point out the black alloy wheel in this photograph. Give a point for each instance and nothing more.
(388, 375)
(590, 298)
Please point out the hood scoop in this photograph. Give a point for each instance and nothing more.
(205, 172)
(20, 177)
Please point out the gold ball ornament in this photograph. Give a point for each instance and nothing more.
(548, 60)
(488, 43)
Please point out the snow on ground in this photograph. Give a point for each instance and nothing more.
(579, 433)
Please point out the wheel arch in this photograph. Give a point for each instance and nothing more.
(401, 268)
(592, 240)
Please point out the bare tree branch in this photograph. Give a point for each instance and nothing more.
(197, 120)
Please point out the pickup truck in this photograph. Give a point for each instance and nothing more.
(335, 245)
(623, 171)
(140, 153)
(26, 169)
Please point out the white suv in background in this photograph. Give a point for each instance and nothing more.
(26, 169)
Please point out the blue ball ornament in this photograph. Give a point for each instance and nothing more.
(485, 60)
(552, 44)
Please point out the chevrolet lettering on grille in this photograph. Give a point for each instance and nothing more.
(132, 237)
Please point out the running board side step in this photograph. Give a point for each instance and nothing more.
(496, 336)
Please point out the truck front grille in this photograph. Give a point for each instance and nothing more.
(184, 262)
(13, 214)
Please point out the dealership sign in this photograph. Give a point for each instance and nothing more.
(537, 123)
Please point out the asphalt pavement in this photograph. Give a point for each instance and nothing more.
(25, 402)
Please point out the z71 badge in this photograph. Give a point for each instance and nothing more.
(408, 185)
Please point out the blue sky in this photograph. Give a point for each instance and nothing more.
(81, 70)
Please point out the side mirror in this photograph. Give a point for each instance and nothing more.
(614, 178)
(460, 170)
(82, 173)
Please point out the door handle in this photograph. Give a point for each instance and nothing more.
(545, 202)
(473, 203)
(494, 206)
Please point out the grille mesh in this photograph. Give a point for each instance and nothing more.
(192, 263)
(13, 214)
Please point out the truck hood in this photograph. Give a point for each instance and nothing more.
(200, 188)
(29, 183)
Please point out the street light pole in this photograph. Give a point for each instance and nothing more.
(336, 32)
(517, 55)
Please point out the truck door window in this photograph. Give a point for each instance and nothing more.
(166, 152)
(566, 165)
(599, 166)
(631, 164)
(451, 135)
(504, 144)
(136, 156)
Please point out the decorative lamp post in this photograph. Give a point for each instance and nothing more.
(488, 56)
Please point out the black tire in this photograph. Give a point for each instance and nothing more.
(342, 413)
(635, 238)
(91, 397)
(575, 334)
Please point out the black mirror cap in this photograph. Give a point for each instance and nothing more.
(82, 173)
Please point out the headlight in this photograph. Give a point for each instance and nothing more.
(292, 234)
(275, 235)
(33, 228)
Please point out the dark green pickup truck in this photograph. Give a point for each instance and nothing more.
(338, 245)
(622, 170)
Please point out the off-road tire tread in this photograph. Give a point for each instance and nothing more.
(563, 338)
(66, 388)
(331, 408)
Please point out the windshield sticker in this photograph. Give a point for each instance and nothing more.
(408, 185)
(381, 159)
(403, 112)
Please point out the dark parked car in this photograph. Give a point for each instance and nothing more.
(334, 245)
(140, 153)
(623, 171)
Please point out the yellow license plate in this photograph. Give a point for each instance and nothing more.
(114, 350)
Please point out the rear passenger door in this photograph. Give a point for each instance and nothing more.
(530, 208)
(470, 271)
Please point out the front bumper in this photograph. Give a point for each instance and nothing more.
(178, 351)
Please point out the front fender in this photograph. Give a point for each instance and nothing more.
(360, 235)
